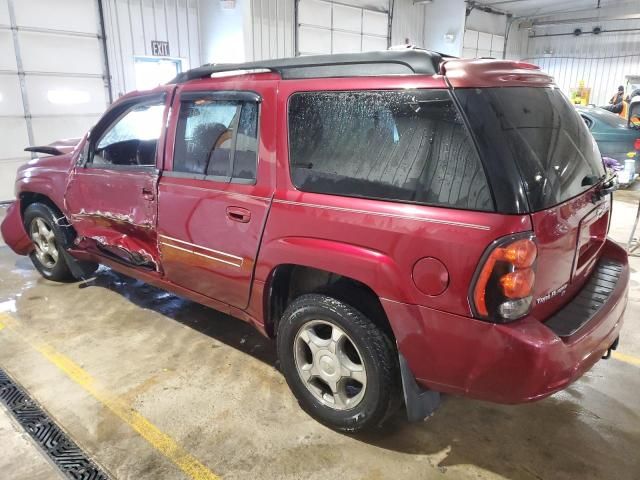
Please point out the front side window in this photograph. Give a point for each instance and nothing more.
(408, 146)
(132, 139)
(217, 138)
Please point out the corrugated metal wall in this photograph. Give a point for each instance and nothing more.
(131, 25)
(273, 29)
(601, 61)
(407, 23)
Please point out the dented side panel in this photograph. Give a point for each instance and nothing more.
(113, 211)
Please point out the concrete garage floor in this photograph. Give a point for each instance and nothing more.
(153, 386)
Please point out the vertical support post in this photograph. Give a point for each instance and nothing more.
(105, 54)
(21, 75)
(296, 21)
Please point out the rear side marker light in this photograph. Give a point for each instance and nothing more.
(503, 284)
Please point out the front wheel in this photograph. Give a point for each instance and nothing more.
(340, 366)
(47, 237)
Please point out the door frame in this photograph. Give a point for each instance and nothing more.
(84, 166)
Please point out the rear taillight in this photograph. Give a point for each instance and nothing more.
(503, 284)
(636, 144)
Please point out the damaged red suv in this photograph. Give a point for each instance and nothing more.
(402, 223)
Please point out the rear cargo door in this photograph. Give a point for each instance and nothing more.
(569, 237)
(536, 135)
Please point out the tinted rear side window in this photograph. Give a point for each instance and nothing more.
(539, 131)
(408, 146)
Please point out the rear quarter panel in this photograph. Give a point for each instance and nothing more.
(375, 242)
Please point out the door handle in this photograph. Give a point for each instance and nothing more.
(238, 214)
(147, 193)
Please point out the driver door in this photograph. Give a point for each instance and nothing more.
(111, 195)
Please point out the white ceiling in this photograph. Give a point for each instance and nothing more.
(526, 8)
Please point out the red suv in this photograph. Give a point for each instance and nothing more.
(402, 223)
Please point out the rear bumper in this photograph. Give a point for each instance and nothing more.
(512, 363)
(13, 232)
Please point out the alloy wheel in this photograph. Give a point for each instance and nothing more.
(44, 240)
(329, 365)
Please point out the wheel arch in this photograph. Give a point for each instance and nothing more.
(28, 198)
(289, 281)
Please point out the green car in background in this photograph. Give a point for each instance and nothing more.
(612, 135)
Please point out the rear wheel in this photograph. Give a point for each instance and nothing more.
(340, 366)
(47, 237)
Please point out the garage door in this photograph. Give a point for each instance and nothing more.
(332, 27)
(51, 76)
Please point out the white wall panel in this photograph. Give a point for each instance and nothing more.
(370, 43)
(14, 141)
(314, 40)
(375, 23)
(344, 42)
(70, 15)
(49, 129)
(42, 52)
(10, 97)
(8, 178)
(336, 27)
(7, 55)
(492, 23)
(347, 18)
(314, 12)
(85, 95)
(4, 13)
(61, 58)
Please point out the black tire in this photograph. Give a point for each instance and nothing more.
(57, 271)
(374, 348)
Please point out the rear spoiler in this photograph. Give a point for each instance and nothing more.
(59, 147)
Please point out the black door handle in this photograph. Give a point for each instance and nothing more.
(238, 214)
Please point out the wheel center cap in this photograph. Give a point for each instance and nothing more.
(327, 365)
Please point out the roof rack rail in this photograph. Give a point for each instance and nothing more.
(411, 61)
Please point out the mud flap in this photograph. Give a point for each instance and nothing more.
(420, 403)
(79, 269)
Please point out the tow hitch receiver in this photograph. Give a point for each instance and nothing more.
(613, 346)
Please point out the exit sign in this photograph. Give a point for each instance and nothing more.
(159, 49)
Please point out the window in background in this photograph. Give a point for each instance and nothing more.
(151, 72)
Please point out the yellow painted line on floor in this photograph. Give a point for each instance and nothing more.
(159, 440)
(623, 357)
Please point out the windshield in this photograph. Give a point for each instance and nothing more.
(539, 131)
